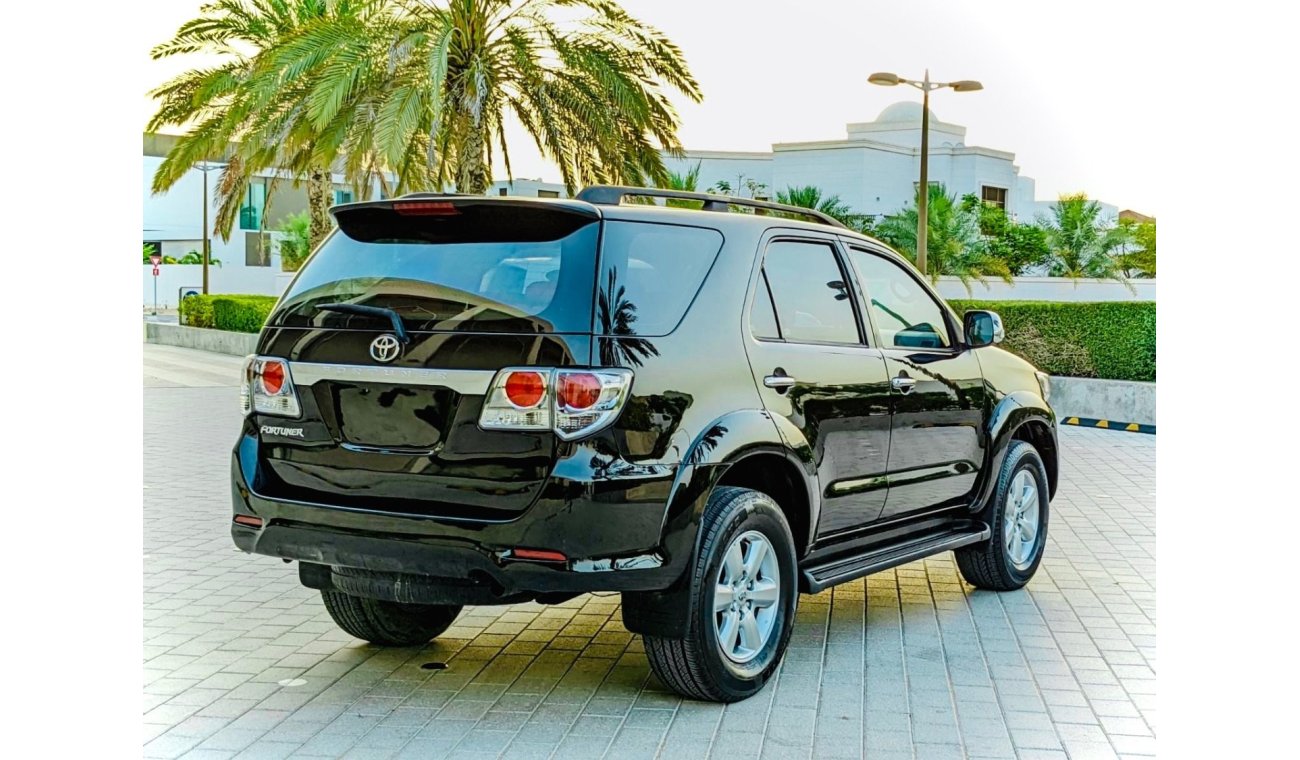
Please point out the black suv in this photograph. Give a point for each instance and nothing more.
(465, 400)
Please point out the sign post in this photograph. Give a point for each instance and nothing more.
(155, 259)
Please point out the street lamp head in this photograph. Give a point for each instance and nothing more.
(884, 79)
(966, 85)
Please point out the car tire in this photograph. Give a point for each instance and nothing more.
(1010, 557)
(746, 564)
(389, 623)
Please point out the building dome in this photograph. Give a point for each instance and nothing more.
(907, 112)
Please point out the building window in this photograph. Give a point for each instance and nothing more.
(503, 191)
(255, 253)
(995, 196)
(342, 196)
(250, 213)
(548, 194)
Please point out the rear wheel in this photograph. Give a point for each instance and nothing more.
(389, 623)
(743, 597)
(1018, 515)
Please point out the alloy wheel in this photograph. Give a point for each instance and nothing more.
(1020, 519)
(745, 596)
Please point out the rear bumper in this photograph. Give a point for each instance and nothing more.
(611, 529)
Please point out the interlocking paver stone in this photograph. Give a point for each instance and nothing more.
(241, 661)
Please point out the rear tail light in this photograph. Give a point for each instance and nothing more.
(572, 403)
(426, 208)
(525, 389)
(267, 388)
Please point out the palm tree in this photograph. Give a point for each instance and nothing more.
(954, 244)
(427, 89)
(235, 114)
(809, 196)
(687, 181)
(1082, 243)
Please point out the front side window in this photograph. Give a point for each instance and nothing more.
(810, 293)
(906, 316)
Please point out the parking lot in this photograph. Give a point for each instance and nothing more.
(241, 661)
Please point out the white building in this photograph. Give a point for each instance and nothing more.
(875, 167)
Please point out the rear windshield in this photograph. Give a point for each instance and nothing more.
(503, 269)
(461, 276)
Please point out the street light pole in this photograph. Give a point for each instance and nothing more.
(205, 227)
(207, 245)
(886, 79)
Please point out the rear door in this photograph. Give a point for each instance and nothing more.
(937, 446)
(478, 285)
(814, 367)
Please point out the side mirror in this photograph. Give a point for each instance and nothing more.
(983, 328)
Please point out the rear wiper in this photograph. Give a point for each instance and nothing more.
(399, 327)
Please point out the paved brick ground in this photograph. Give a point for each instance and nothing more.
(240, 661)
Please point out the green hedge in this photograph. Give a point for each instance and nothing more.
(1111, 340)
(237, 313)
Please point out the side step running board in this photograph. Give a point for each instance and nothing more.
(847, 568)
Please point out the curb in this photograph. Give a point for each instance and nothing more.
(203, 339)
(1128, 427)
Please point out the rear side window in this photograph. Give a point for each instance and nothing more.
(650, 274)
(483, 268)
(810, 294)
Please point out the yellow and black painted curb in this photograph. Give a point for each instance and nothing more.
(1131, 427)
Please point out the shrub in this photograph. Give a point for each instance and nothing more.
(237, 313)
(1110, 340)
(196, 311)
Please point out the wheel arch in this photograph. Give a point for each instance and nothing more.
(1020, 416)
(734, 450)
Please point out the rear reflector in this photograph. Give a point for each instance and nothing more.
(426, 208)
(541, 555)
(249, 520)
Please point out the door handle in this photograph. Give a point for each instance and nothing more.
(903, 384)
(779, 381)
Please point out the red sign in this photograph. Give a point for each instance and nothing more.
(155, 271)
(155, 259)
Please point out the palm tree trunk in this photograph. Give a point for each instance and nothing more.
(471, 165)
(318, 206)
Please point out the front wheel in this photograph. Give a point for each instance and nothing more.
(743, 595)
(1018, 516)
(389, 623)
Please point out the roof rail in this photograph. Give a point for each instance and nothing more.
(612, 195)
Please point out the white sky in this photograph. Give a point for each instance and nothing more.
(1066, 88)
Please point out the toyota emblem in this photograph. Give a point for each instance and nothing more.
(385, 348)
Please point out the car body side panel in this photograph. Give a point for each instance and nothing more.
(938, 445)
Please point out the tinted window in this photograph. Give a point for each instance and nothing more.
(906, 316)
(650, 275)
(475, 271)
(811, 297)
(762, 316)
